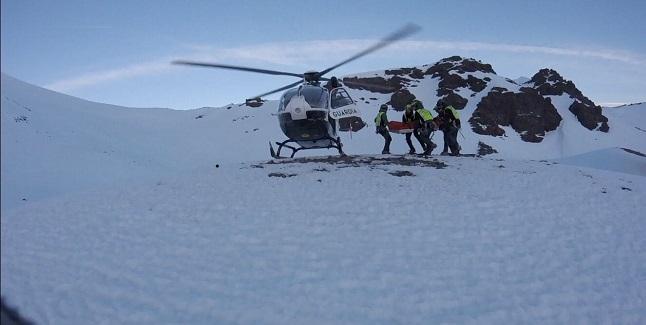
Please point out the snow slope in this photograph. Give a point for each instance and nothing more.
(338, 243)
(127, 219)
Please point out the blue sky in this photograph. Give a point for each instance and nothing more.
(118, 51)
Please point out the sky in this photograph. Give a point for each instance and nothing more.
(119, 52)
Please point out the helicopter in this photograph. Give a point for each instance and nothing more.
(308, 113)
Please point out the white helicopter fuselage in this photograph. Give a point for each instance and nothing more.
(310, 113)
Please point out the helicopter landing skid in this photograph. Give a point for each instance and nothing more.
(336, 143)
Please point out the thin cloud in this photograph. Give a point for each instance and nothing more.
(298, 55)
(95, 78)
(612, 55)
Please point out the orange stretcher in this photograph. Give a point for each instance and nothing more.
(400, 127)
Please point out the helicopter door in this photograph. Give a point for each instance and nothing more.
(342, 105)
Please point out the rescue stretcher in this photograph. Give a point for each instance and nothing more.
(400, 127)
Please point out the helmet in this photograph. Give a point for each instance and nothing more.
(441, 104)
(417, 104)
(383, 107)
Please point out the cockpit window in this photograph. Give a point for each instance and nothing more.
(284, 100)
(315, 96)
(340, 98)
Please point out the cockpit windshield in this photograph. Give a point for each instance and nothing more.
(287, 96)
(315, 96)
(340, 98)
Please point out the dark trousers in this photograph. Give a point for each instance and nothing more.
(423, 135)
(387, 139)
(410, 142)
(451, 140)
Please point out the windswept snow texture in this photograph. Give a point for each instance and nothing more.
(116, 215)
(338, 244)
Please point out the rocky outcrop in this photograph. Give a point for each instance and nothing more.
(475, 84)
(400, 99)
(485, 149)
(450, 82)
(458, 64)
(455, 100)
(549, 82)
(414, 73)
(590, 116)
(528, 113)
(377, 84)
(450, 70)
(523, 105)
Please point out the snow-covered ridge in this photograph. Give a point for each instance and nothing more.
(632, 105)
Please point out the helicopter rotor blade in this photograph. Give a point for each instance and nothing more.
(368, 85)
(279, 89)
(233, 67)
(404, 32)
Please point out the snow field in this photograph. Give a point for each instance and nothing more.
(477, 241)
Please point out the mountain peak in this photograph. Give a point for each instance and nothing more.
(548, 82)
(547, 75)
(458, 64)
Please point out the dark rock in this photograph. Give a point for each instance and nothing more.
(400, 99)
(604, 127)
(499, 89)
(550, 82)
(485, 149)
(472, 65)
(475, 84)
(376, 84)
(455, 100)
(450, 82)
(459, 64)
(281, 175)
(529, 114)
(589, 116)
(529, 90)
(400, 173)
(417, 74)
(439, 69)
(412, 72)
